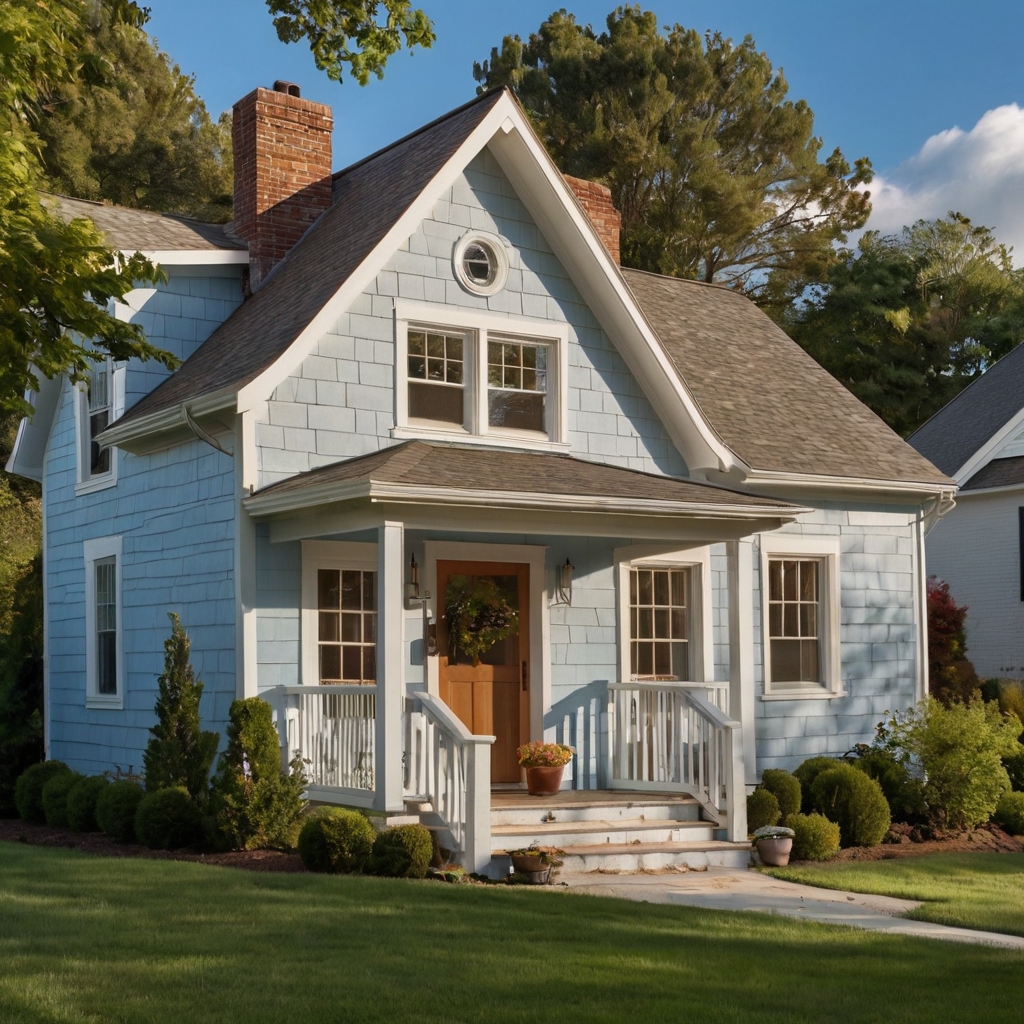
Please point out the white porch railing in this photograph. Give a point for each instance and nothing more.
(669, 736)
(449, 768)
(332, 729)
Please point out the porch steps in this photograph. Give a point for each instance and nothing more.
(620, 831)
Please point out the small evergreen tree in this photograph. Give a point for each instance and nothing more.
(179, 754)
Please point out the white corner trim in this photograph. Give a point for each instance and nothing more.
(93, 551)
(990, 449)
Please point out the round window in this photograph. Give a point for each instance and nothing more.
(481, 263)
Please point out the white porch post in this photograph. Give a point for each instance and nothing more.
(741, 674)
(390, 682)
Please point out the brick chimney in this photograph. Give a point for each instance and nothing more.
(282, 150)
(597, 202)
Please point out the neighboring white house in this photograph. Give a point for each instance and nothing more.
(428, 371)
(978, 548)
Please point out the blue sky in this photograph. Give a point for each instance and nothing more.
(932, 91)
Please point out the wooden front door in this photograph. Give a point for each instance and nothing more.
(491, 697)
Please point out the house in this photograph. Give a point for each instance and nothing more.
(426, 380)
(978, 549)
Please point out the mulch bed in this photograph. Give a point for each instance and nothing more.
(903, 841)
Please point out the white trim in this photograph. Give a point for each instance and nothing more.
(196, 257)
(533, 555)
(245, 469)
(915, 490)
(989, 449)
(93, 551)
(475, 328)
(920, 577)
(85, 482)
(46, 608)
(325, 554)
(776, 545)
(702, 645)
(496, 246)
(1001, 489)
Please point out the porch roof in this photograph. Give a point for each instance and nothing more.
(444, 473)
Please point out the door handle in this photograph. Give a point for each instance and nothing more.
(525, 678)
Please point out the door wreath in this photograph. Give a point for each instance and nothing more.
(478, 615)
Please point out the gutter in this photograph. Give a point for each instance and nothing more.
(119, 434)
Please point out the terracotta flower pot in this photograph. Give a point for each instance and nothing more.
(775, 852)
(544, 781)
(528, 862)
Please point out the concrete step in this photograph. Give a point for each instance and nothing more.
(636, 857)
(599, 807)
(619, 831)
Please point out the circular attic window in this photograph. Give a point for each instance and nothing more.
(480, 262)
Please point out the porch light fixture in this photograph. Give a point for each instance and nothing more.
(412, 588)
(563, 583)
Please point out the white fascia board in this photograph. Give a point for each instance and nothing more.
(29, 449)
(122, 434)
(197, 257)
(990, 449)
(913, 491)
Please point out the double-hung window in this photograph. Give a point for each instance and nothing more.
(100, 402)
(104, 661)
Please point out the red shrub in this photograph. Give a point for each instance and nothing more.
(951, 677)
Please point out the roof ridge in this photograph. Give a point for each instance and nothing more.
(688, 280)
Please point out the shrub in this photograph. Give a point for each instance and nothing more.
(28, 790)
(116, 809)
(807, 773)
(1009, 694)
(903, 791)
(179, 754)
(951, 677)
(1010, 813)
(404, 851)
(254, 803)
(167, 819)
(82, 803)
(335, 839)
(855, 803)
(55, 797)
(815, 837)
(1014, 765)
(786, 788)
(762, 809)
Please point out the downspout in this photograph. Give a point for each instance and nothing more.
(203, 435)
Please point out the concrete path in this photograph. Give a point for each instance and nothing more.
(731, 889)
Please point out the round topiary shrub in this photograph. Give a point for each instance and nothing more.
(336, 840)
(903, 790)
(167, 819)
(82, 803)
(55, 797)
(807, 773)
(404, 851)
(762, 810)
(116, 809)
(1010, 813)
(28, 790)
(816, 838)
(786, 788)
(855, 803)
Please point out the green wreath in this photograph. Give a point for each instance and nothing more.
(478, 614)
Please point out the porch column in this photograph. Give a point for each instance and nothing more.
(390, 682)
(741, 651)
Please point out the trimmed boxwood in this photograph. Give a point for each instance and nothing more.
(855, 802)
(28, 790)
(336, 840)
(403, 851)
(55, 797)
(807, 773)
(1010, 813)
(167, 819)
(116, 809)
(786, 788)
(762, 810)
(82, 803)
(816, 838)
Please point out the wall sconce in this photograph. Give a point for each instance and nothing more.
(412, 588)
(563, 583)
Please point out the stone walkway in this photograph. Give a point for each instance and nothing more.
(730, 889)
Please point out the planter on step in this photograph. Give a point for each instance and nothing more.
(527, 863)
(544, 781)
(544, 764)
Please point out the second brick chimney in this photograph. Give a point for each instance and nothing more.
(282, 151)
(596, 200)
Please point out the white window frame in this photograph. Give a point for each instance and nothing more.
(325, 554)
(97, 550)
(826, 550)
(497, 249)
(85, 482)
(476, 327)
(702, 640)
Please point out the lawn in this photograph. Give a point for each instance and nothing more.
(970, 890)
(88, 939)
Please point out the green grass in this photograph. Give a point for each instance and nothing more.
(88, 939)
(969, 890)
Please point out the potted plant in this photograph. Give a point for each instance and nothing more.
(774, 844)
(535, 858)
(544, 764)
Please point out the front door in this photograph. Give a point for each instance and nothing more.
(488, 689)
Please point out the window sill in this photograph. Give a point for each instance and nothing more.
(485, 440)
(820, 694)
(108, 703)
(100, 483)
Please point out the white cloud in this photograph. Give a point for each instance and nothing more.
(979, 173)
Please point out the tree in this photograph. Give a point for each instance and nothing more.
(179, 754)
(907, 321)
(716, 173)
(951, 676)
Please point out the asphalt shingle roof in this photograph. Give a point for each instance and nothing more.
(964, 424)
(770, 402)
(998, 473)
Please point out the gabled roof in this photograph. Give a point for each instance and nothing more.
(963, 426)
(998, 473)
(143, 231)
(768, 399)
(369, 197)
(445, 471)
